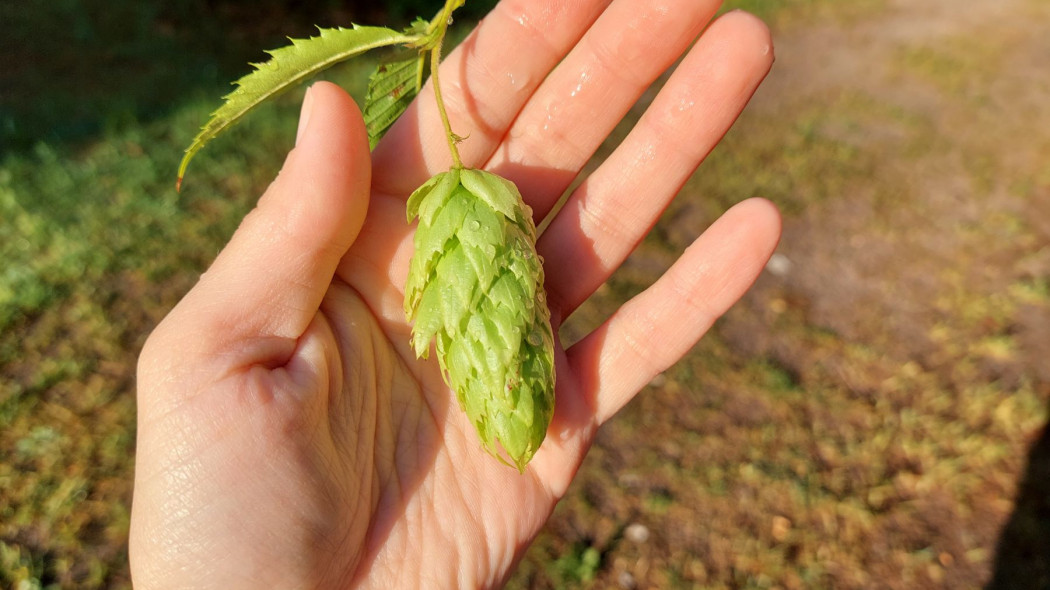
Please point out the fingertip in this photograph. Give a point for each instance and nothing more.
(745, 44)
(750, 29)
(323, 187)
(335, 98)
(764, 216)
(331, 127)
(751, 231)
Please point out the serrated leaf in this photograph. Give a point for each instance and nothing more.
(393, 85)
(391, 88)
(287, 67)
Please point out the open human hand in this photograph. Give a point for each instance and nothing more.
(287, 435)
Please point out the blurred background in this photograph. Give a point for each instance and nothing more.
(871, 415)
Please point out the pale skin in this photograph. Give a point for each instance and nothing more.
(287, 436)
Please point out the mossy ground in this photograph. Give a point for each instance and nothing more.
(872, 415)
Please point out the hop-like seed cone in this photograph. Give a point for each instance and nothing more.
(476, 287)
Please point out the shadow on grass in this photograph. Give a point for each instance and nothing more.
(1023, 554)
(74, 69)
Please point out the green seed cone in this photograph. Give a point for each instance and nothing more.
(475, 287)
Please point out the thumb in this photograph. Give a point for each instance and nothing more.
(266, 285)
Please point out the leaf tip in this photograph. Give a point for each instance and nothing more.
(182, 168)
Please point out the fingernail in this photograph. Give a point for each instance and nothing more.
(304, 114)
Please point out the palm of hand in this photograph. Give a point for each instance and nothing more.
(349, 457)
(287, 434)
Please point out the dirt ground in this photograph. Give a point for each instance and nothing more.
(872, 415)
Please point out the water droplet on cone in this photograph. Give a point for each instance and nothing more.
(535, 338)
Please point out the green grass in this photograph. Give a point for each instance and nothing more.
(864, 419)
(97, 246)
(788, 12)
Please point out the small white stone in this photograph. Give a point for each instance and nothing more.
(779, 265)
(636, 533)
(626, 580)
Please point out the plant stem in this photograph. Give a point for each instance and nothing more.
(435, 61)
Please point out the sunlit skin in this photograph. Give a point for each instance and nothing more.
(288, 437)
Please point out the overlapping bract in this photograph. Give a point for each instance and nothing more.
(476, 288)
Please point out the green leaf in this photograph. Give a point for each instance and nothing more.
(393, 85)
(287, 67)
(391, 88)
